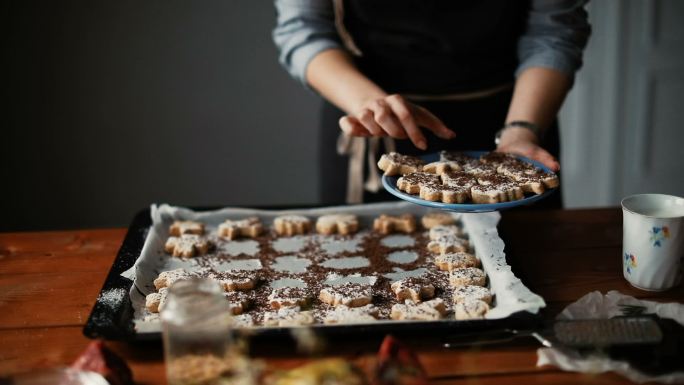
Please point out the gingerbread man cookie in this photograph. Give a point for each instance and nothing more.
(471, 292)
(495, 189)
(187, 246)
(154, 302)
(471, 309)
(438, 192)
(288, 316)
(288, 297)
(348, 294)
(168, 278)
(344, 314)
(238, 302)
(467, 276)
(411, 183)
(413, 288)
(448, 244)
(397, 164)
(344, 224)
(387, 224)
(179, 228)
(441, 167)
(459, 179)
(249, 227)
(444, 231)
(423, 311)
(437, 218)
(453, 261)
(289, 225)
(235, 280)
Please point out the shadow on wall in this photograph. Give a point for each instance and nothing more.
(116, 105)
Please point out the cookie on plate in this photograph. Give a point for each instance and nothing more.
(397, 164)
(438, 192)
(495, 189)
(441, 167)
(411, 183)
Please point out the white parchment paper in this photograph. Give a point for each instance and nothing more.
(510, 293)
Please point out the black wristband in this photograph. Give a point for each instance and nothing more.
(518, 123)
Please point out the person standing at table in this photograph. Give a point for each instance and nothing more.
(434, 74)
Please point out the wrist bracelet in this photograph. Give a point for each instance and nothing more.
(518, 123)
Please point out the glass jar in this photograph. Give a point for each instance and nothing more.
(196, 328)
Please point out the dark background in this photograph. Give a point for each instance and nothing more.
(114, 105)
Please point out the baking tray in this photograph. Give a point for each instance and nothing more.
(112, 315)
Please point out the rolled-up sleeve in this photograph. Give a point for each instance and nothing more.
(304, 28)
(557, 32)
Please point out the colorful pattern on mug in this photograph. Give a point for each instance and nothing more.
(659, 234)
(630, 263)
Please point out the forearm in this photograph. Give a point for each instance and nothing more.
(333, 74)
(538, 95)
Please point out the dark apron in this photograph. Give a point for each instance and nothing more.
(432, 47)
(436, 46)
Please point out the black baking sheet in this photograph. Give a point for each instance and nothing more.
(114, 320)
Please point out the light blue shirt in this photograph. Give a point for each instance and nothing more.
(557, 32)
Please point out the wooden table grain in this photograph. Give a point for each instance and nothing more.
(49, 282)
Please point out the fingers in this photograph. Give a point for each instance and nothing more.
(548, 160)
(351, 126)
(395, 117)
(426, 119)
(403, 114)
(534, 152)
(385, 118)
(367, 118)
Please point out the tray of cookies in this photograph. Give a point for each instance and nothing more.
(468, 181)
(372, 268)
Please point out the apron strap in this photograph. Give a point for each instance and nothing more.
(354, 148)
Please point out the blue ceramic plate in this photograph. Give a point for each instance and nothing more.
(390, 184)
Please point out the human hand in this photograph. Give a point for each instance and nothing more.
(396, 117)
(521, 141)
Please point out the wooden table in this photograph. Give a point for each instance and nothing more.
(49, 282)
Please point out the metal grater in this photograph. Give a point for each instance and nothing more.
(590, 333)
(599, 333)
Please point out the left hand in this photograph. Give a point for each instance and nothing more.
(521, 141)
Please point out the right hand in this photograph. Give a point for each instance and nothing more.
(396, 117)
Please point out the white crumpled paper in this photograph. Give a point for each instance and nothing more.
(597, 305)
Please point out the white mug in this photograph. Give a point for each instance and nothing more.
(652, 240)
